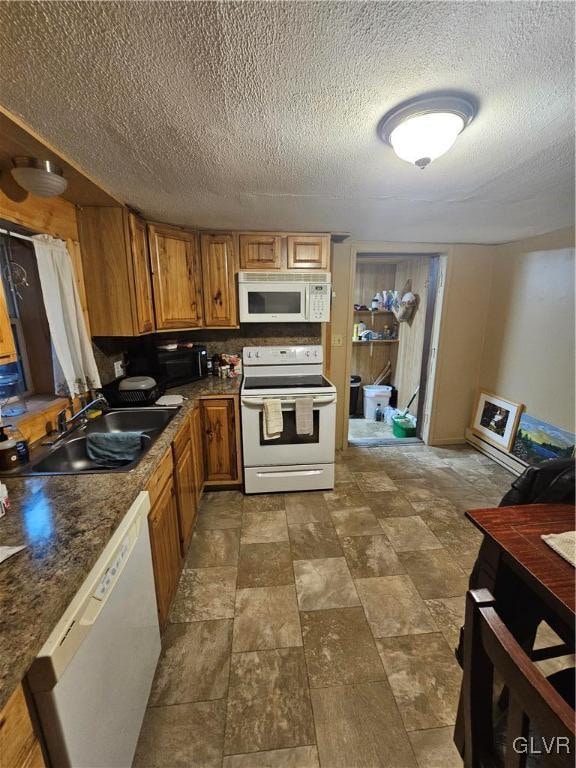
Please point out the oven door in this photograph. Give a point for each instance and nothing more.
(273, 302)
(290, 448)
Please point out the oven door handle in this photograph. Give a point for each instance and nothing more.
(259, 402)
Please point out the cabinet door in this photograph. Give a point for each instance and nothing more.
(7, 344)
(144, 311)
(176, 278)
(19, 747)
(186, 495)
(165, 546)
(197, 452)
(308, 251)
(219, 280)
(260, 251)
(219, 440)
(107, 269)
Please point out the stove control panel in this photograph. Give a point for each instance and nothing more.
(282, 355)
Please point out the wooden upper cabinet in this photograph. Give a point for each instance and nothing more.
(141, 271)
(176, 277)
(219, 267)
(115, 266)
(7, 343)
(308, 251)
(260, 251)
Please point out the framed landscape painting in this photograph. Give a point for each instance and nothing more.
(537, 441)
(495, 420)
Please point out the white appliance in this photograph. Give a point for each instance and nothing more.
(92, 678)
(284, 297)
(290, 462)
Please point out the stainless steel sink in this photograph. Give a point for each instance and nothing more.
(69, 455)
(132, 420)
(72, 457)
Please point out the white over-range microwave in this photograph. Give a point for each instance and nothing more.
(284, 297)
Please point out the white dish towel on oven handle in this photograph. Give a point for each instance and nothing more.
(273, 423)
(304, 416)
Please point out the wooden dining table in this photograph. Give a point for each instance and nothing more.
(528, 579)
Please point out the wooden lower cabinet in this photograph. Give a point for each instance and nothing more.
(185, 480)
(165, 546)
(196, 436)
(19, 747)
(221, 430)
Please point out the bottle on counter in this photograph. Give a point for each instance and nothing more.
(375, 303)
(216, 365)
(8, 451)
(14, 433)
(209, 367)
(378, 413)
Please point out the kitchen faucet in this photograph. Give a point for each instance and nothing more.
(65, 426)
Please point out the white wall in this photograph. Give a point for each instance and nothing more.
(528, 354)
(462, 331)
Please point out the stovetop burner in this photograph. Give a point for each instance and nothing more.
(285, 382)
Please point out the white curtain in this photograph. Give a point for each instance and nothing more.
(75, 368)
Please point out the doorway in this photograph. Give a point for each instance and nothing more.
(390, 358)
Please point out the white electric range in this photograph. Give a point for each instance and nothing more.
(290, 462)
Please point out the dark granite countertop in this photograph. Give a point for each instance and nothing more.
(65, 522)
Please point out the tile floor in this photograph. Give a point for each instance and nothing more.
(316, 629)
(370, 432)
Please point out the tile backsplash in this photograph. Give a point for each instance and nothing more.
(229, 340)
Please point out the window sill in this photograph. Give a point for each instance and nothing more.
(40, 416)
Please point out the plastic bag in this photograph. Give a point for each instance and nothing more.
(405, 304)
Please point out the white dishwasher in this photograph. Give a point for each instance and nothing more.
(92, 678)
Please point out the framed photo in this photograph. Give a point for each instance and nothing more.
(495, 420)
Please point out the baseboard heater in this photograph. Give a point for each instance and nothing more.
(515, 465)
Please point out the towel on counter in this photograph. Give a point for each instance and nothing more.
(304, 416)
(564, 544)
(112, 449)
(273, 422)
(6, 552)
(170, 400)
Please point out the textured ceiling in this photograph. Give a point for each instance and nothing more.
(264, 115)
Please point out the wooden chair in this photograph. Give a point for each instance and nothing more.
(535, 708)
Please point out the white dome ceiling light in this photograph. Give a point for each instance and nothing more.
(423, 129)
(39, 177)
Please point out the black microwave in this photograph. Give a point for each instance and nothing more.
(171, 364)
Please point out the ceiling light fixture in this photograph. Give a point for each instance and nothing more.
(423, 129)
(39, 177)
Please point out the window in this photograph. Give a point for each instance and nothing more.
(19, 274)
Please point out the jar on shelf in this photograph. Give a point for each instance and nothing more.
(12, 401)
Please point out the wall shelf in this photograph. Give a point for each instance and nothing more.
(376, 341)
(373, 312)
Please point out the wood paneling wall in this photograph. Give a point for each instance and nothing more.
(50, 216)
(406, 375)
(372, 276)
